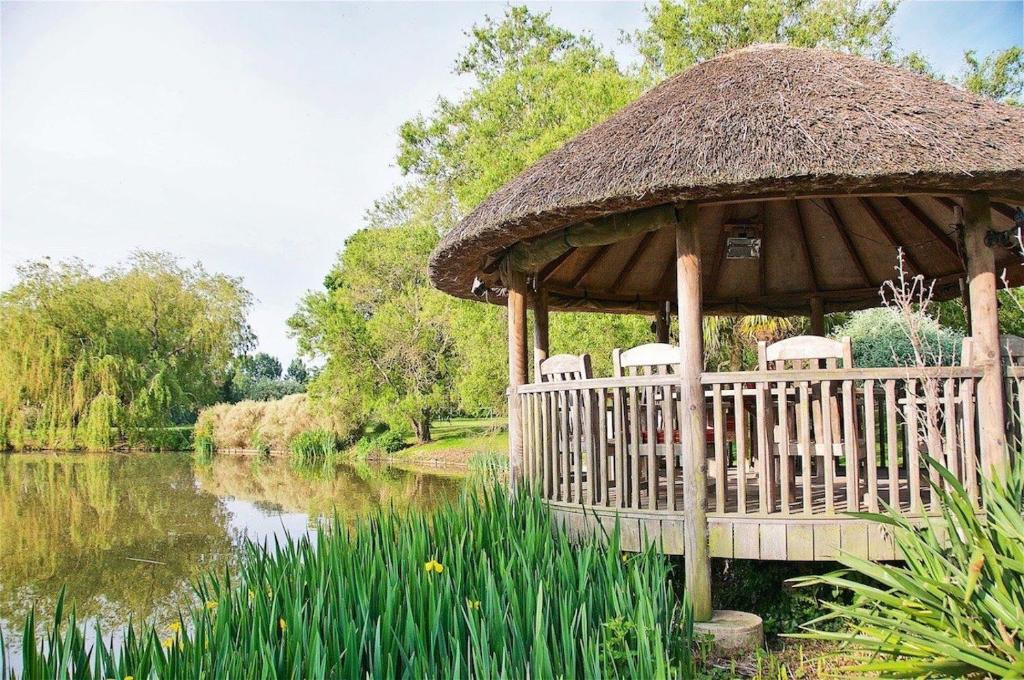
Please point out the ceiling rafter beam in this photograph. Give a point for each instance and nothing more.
(929, 224)
(805, 246)
(844, 233)
(545, 273)
(627, 268)
(598, 255)
(889, 234)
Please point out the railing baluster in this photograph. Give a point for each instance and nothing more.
(589, 449)
(851, 449)
(651, 422)
(741, 449)
(828, 455)
(763, 450)
(602, 442)
(565, 471)
(783, 441)
(805, 444)
(871, 454)
(619, 431)
(634, 447)
(913, 455)
(892, 444)
(721, 465)
(949, 420)
(931, 396)
(668, 424)
(545, 423)
(579, 443)
(970, 441)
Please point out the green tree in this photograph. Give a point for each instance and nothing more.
(260, 365)
(298, 371)
(90, 359)
(682, 33)
(999, 75)
(534, 86)
(384, 333)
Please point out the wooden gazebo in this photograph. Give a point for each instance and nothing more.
(769, 180)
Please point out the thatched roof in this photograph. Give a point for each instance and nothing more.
(773, 135)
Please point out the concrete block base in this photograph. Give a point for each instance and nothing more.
(734, 633)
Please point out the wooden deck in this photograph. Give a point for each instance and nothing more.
(595, 449)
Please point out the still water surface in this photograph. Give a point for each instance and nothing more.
(128, 534)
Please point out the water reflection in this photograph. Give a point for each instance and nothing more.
(127, 534)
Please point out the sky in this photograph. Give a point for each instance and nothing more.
(253, 137)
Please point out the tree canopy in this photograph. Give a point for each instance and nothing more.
(533, 85)
(90, 359)
(383, 331)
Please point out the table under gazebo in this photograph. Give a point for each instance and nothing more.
(771, 180)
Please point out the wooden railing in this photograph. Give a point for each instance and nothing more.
(799, 442)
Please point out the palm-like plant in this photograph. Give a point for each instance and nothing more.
(727, 337)
(955, 607)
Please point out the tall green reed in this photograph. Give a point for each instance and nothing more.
(955, 607)
(485, 588)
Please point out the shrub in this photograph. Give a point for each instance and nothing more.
(258, 444)
(382, 444)
(881, 336)
(275, 423)
(312, 447)
(953, 608)
(487, 588)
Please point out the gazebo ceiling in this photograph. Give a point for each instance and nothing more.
(832, 161)
(840, 249)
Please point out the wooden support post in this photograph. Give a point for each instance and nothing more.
(661, 324)
(817, 316)
(540, 328)
(516, 283)
(981, 277)
(692, 416)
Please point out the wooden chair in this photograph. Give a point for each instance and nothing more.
(564, 367)
(810, 352)
(1011, 354)
(658, 358)
(1011, 350)
(568, 414)
(655, 358)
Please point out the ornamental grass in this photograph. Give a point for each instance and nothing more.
(484, 588)
(955, 607)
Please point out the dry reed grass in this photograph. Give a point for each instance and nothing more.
(232, 426)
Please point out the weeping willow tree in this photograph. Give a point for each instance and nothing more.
(91, 360)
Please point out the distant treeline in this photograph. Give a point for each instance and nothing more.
(90, 360)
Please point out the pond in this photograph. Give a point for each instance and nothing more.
(127, 535)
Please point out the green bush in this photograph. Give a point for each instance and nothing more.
(487, 588)
(162, 439)
(953, 608)
(203, 445)
(312, 447)
(258, 444)
(880, 338)
(762, 588)
(384, 443)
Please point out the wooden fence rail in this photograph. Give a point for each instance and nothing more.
(783, 443)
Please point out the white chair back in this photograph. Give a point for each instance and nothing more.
(804, 351)
(650, 359)
(563, 367)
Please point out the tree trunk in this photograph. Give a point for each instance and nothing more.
(422, 427)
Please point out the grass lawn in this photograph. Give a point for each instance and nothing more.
(458, 440)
